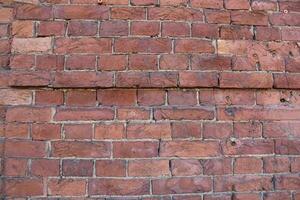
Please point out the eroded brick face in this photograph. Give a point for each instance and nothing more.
(150, 99)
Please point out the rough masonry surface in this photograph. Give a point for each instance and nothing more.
(150, 99)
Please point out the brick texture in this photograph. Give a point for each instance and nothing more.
(150, 99)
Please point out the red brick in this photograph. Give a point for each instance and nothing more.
(82, 45)
(28, 114)
(186, 167)
(80, 62)
(249, 18)
(217, 4)
(246, 80)
(287, 182)
(82, 28)
(173, 2)
(151, 97)
(22, 62)
(113, 28)
(186, 130)
(217, 16)
(257, 113)
(217, 130)
(78, 131)
(110, 168)
(23, 187)
(189, 149)
(44, 167)
(188, 98)
(31, 45)
(5, 46)
(174, 14)
(48, 28)
(267, 33)
(29, 11)
(119, 187)
(295, 165)
(193, 46)
(16, 130)
(183, 114)
(175, 29)
(182, 185)
(132, 13)
(29, 79)
(143, 45)
(237, 5)
(81, 114)
(264, 5)
(276, 195)
(285, 80)
(227, 97)
(82, 149)
(144, 28)
(151, 131)
(4, 31)
(290, 34)
(135, 149)
(292, 64)
(146, 79)
(116, 97)
(49, 97)
(243, 183)
(22, 28)
(77, 168)
(152, 168)
(248, 147)
(217, 166)
(6, 15)
(248, 165)
(81, 98)
(247, 129)
(133, 114)
(82, 79)
(15, 97)
(285, 19)
(45, 131)
(143, 2)
(66, 187)
(198, 79)
(15, 167)
(26, 149)
(236, 32)
(174, 62)
(288, 147)
(81, 12)
(109, 131)
(50, 62)
(289, 6)
(112, 62)
(276, 164)
(143, 62)
(205, 30)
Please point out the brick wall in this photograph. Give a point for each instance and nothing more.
(150, 99)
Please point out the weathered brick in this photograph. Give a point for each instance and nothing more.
(109, 131)
(77, 114)
(169, 13)
(15, 97)
(189, 149)
(182, 185)
(66, 187)
(183, 113)
(110, 168)
(81, 12)
(186, 167)
(23, 187)
(83, 149)
(31, 45)
(119, 187)
(150, 168)
(135, 149)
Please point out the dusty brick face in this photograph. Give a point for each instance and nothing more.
(150, 99)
